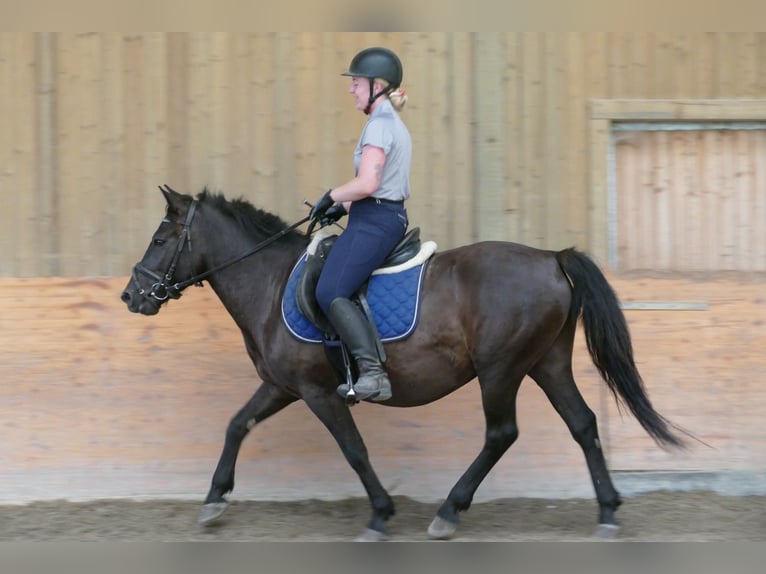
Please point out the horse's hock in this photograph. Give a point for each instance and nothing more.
(99, 402)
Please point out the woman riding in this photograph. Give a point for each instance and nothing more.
(374, 200)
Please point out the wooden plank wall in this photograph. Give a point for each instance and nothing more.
(90, 390)
(92, 123)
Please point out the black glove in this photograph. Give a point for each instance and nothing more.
(321, 206)
(332, 215)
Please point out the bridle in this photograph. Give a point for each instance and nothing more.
(164, 288)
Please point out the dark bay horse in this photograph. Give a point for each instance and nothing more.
(495, 311)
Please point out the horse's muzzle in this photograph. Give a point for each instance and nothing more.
(138, 303)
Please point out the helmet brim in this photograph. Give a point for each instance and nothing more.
(351, 74)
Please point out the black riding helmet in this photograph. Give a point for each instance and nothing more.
(374, 63)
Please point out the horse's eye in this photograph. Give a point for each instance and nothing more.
(159, 242)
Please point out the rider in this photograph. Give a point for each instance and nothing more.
(374, 201)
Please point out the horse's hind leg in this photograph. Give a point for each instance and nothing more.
(553, 374)
(498, 393)
(266, 401)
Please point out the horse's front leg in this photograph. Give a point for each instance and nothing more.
(266, 401)
(336, 416)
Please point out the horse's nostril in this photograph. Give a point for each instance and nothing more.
(125, 297)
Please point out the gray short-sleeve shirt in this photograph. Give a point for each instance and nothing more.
(386, 130)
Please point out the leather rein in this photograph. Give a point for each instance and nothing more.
(164, 288)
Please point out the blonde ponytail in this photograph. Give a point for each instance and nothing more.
(398, 98)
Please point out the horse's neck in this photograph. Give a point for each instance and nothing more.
(264, 273)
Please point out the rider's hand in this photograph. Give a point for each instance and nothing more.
(332, 215)
(321, 206)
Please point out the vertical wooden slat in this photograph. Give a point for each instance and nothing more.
(415, 61)
(111, 173)
(710, 141)
(617, 57)
(575, 175)
(284, 124)
(219, 156)
(675, 191)
(46, 169)
(13, 202)
(238, 108)
(514, 136)
(747, 65)
(89, 232)
(743, 176)
(598, 138)
(22, 126)
(626, 192)
(331, 90)
(760, 58)
(758, 202)
(65, 114)
(684, 66)
(664, 69)
(704, 56)
(681, 243)
(177, 106)
(552, 209)
(533, 111)
(82, 224)
(645, 223)
(597, 200)
(649, 89)
(351, 120)
(726, 212)
(663, 212)
(725, 65)
(263, 92)
(639, 82)
(134, 215)
(304, 156)
(156, 149)
(459, 79)
(490, 142)
(439, 160)
(691, 246)
(8, 212)
(199, 111)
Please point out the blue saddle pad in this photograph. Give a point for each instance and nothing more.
(394, 300)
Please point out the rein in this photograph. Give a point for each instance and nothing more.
(265, 243)
(162, 289)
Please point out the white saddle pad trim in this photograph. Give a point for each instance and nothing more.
(426, 250)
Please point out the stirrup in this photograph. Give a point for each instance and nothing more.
(348, 395)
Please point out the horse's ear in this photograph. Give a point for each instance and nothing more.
(171, 196)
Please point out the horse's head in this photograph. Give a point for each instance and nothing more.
(155, 279)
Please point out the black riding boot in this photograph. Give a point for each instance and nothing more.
(356, 333)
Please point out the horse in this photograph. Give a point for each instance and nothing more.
(491, 311)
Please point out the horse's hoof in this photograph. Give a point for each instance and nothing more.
(371, 535)
(441, 529)
(607, 531)
(212, 512)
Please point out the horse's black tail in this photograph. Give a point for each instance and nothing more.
(609, 344)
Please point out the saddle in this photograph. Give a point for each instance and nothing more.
(407, 248)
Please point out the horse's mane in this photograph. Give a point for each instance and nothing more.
(253, 220)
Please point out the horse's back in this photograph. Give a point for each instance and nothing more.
(497, 267)
(494, 286)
